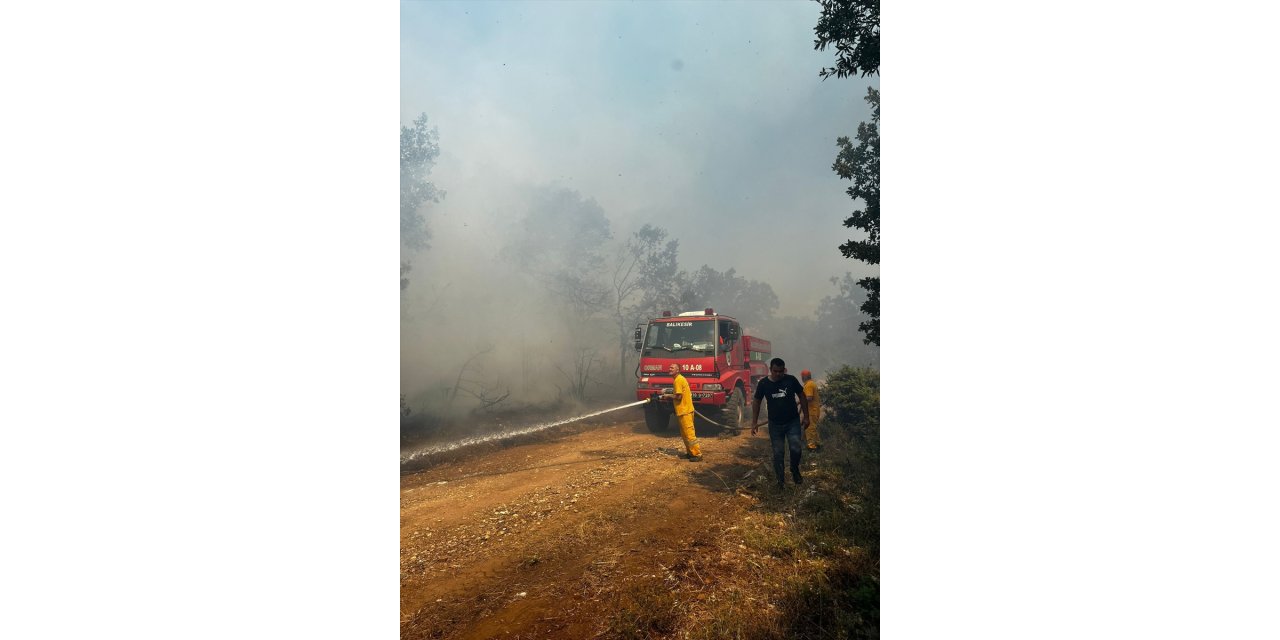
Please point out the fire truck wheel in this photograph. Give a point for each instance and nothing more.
(734, 413)
(656, 418)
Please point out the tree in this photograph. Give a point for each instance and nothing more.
(861, 164)
(560, 229)
(580, 377)
(750, 301)
(560, 242)
(853, 27)
(827, 339)
(664, 281)
(472, 382)
(583, 294)
(644, 275)
(836, 317)
(419, 148)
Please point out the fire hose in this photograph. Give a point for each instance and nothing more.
(654, 398)
(723, 426)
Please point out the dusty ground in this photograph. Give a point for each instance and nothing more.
(545, 539)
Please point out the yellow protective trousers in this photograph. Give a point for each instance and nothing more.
(811, 432)
(690, 438)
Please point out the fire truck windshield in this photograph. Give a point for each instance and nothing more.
(679, 338)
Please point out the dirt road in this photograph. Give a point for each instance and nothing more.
(571, 537)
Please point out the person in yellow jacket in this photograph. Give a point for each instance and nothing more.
(815, 410)
(683, 398)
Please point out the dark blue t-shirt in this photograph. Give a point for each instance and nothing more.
(781, 396)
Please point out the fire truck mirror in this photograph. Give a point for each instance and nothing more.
(636, 336)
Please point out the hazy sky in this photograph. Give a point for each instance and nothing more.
(707, 119)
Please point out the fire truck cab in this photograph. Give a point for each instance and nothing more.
(721, 363)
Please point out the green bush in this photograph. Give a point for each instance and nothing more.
(851, 398)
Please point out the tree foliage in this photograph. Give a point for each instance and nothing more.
(830, 337)
(853, 28)
(861, 164)
(750, 301)
(419, 148)
(561, 242)
(840, 317)
(560, 230)
(645, 276)
(851, 398)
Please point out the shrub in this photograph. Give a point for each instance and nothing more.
(851, 399)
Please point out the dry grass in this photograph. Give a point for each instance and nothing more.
(646, 608)
(802, 563)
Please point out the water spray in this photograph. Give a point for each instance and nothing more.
(495, 437)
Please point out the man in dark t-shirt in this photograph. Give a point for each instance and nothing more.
(788, 416)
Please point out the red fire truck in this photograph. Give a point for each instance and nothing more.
(721, 364)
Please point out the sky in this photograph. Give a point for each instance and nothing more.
(706, 119)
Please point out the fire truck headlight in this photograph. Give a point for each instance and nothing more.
(642, 385)
(714, 386)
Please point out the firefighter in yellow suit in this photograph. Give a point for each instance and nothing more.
(815, 410)
(683, 398)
